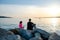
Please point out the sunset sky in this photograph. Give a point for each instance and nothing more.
(28, 8)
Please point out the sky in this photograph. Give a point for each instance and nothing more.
(29, 8)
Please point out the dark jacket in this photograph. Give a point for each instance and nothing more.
(29, 26)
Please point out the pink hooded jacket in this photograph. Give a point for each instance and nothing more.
(20, 25)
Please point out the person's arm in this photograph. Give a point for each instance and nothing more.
(34, 26)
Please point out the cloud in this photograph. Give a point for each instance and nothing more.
(18, 10)
(23, 10)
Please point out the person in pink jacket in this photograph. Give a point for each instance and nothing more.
(21, 25)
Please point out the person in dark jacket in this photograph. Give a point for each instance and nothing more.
(30, 25)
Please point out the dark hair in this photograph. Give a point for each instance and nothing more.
(29, 19)
(20, 22)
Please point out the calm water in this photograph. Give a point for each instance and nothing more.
(47, 24)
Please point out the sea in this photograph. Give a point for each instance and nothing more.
(48, 24)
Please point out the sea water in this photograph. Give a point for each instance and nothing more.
(47, 24)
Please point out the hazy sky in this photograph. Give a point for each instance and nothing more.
(35, 8)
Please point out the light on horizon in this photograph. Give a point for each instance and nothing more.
(53, 11)
(54, 23)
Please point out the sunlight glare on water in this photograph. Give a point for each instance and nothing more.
(54, 23)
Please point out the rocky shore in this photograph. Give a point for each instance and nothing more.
(22, 34)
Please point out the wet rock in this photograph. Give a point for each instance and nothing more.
(54, 36)
(6, 35)
(34, 38)
(37, 37)
(23, 38)
(20, 38)
(4, 32)
(9, 37)
(14, 31)
(24, 33)
(45, 35)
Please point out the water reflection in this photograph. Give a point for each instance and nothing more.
(54, 23)
(47, 24)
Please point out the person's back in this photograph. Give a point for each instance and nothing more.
(29, 25)
(20, 24)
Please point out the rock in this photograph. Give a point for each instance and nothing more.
(6, 35)
(45, 35)
(23, 38)
(14, 31)
(34, 38)
(24, 33)
(20, 38)
(37, 35)
(9, 37)
(54, 36)
(4, 32)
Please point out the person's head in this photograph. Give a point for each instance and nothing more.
(20, 22)
(29, 20)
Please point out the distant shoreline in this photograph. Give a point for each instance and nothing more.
(5, 17)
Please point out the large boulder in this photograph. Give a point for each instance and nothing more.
(6, 35)
(45, 35)
(54, 36)
(14, 31)
(37, 37)
(24, 33)
(9, 37)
